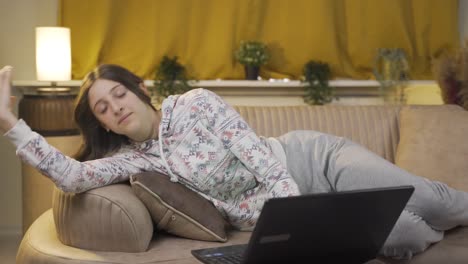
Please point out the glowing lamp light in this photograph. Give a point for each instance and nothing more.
(53, 54)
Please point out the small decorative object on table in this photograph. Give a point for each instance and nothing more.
(392, 71)
(252, 54)
(316, 76)
(451, 73)
(171, 78)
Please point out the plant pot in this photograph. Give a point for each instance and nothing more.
(251, 72)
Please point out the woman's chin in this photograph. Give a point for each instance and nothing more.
(135, 133)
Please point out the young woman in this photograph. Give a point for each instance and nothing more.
(203, 143)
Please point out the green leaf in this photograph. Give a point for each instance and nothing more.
(253, 53)
(171, 77)
(317, 75)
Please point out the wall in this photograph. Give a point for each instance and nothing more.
(18, 19)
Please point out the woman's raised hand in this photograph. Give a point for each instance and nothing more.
(7, 118)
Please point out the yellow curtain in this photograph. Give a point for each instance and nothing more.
(205, 33)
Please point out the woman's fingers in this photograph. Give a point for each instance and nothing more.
(7, 118)
(5, 76)
(12, 101)
(5, 86)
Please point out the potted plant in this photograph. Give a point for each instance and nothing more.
(451, 73)
(252, 54)
(391, 70)
(171, 78)
(316, 77)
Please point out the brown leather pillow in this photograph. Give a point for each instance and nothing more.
(177, 209)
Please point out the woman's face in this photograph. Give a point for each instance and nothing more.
(120, 110)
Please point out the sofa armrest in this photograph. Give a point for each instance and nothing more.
(110, 218)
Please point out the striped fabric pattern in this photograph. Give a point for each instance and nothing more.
(353, 122)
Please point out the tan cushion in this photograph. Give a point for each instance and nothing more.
(177, 209)
(109, 218)
(423, 94)
(433, 143)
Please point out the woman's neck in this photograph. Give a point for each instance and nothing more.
(150, 130)
(156, 122)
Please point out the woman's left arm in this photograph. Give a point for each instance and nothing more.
(239, 137)
(71, 175)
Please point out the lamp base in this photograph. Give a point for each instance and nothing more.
(53, 90)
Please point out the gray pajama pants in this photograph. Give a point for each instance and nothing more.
(324, 163)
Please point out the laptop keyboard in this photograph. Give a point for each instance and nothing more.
(222, 255)
(224, 259)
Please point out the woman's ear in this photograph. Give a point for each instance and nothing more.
(105, 128)
(144, 88)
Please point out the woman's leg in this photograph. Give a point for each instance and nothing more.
(410, 235)
(323, 163)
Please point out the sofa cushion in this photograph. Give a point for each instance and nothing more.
(433, 143)
(110, 218)
(177, 209)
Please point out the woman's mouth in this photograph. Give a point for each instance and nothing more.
(123, 118)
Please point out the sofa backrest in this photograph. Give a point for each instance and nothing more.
(375, 127)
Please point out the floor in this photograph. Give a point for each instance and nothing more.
(8, 247)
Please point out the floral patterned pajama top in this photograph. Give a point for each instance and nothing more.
(205, 144)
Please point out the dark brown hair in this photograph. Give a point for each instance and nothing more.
(97, 142)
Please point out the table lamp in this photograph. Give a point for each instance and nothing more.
(53, 57)
(49, 109)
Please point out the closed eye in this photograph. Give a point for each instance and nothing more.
(102, 108)
(120, 92)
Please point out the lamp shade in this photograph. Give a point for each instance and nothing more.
(53, 54)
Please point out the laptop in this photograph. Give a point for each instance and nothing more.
(338, 227)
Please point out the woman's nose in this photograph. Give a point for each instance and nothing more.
(117, 109)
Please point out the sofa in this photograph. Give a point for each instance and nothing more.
(112, 225)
